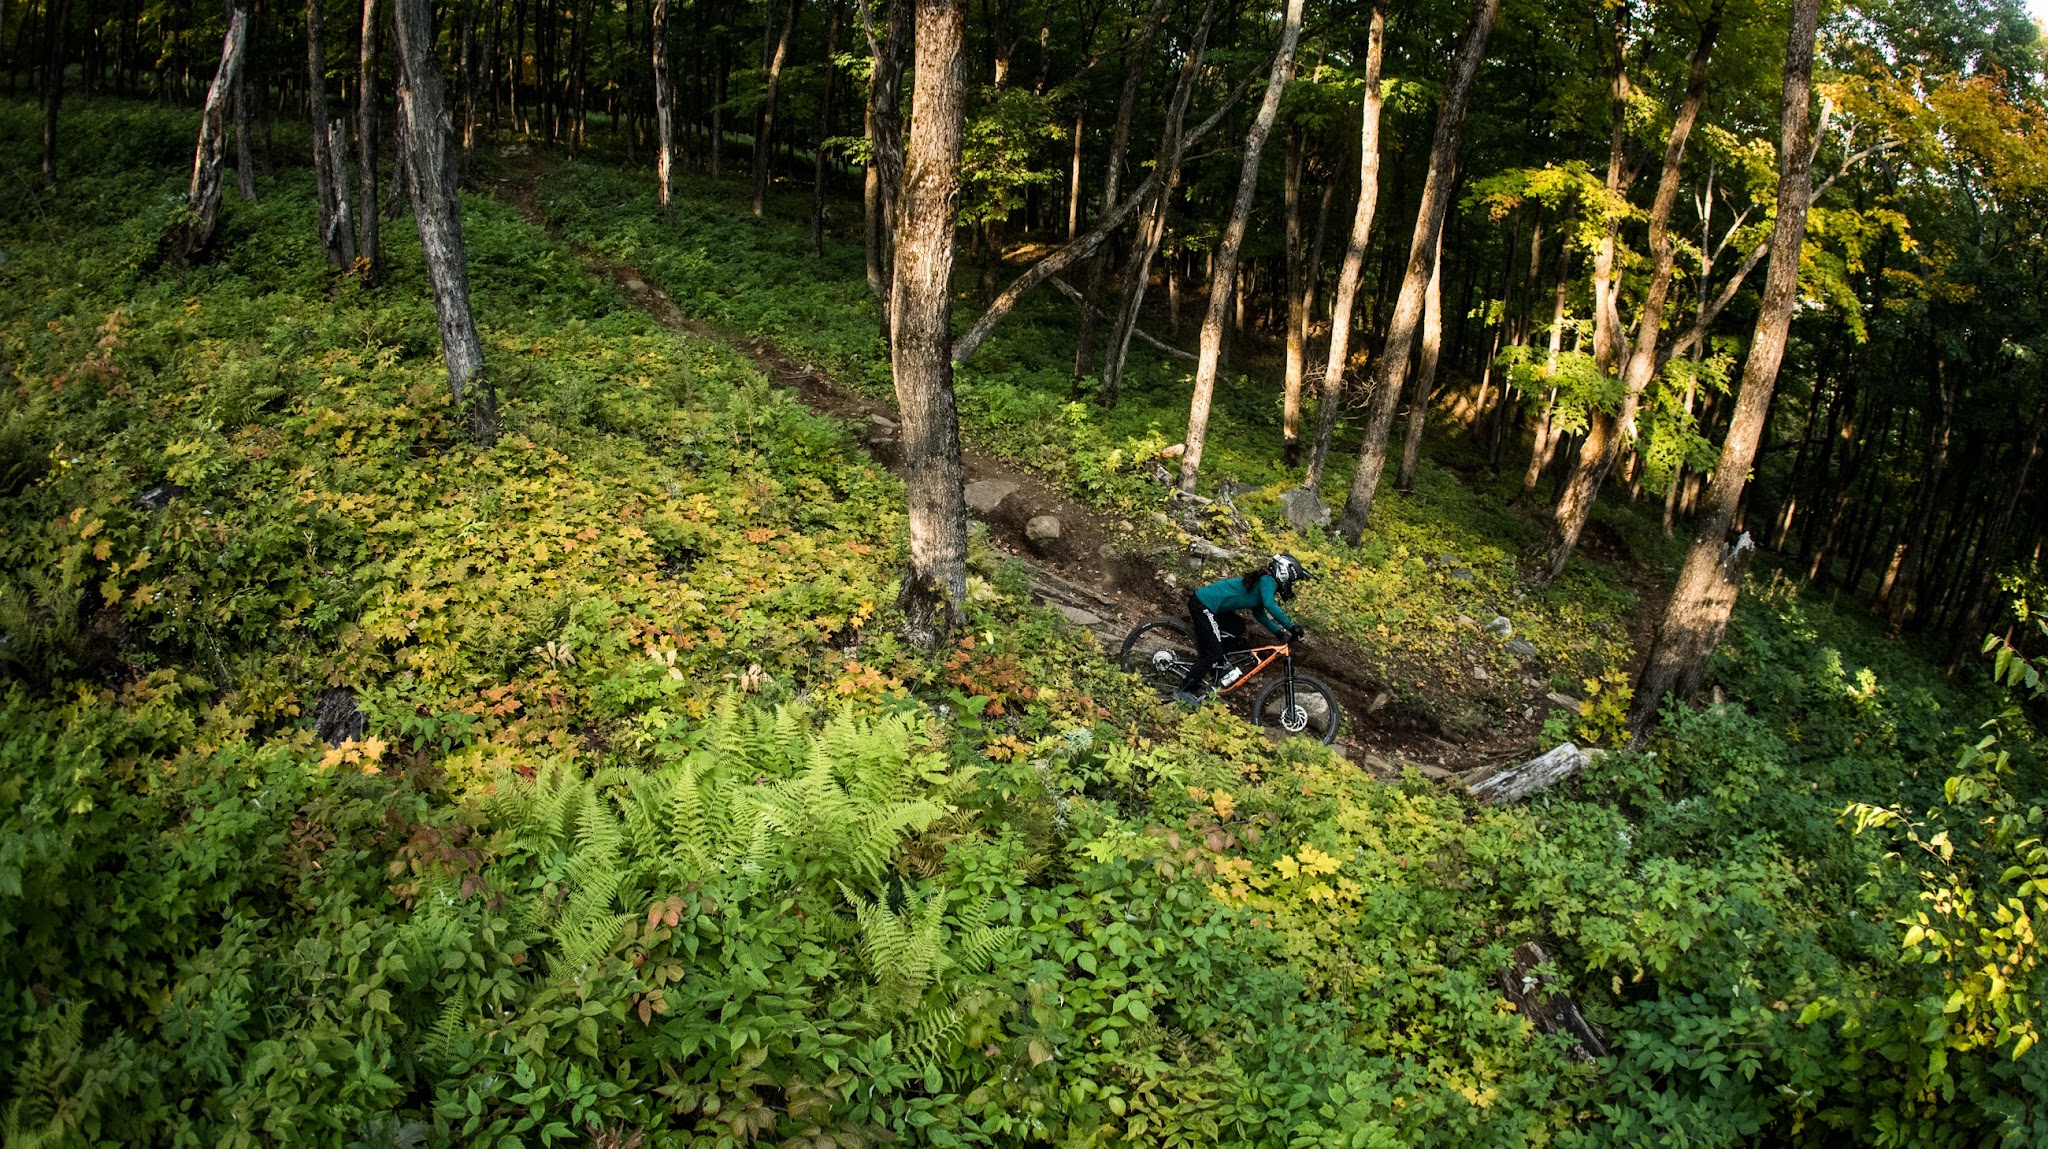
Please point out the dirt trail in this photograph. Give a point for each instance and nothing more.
(1086, 573)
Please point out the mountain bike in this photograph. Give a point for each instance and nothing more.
(1162, 651)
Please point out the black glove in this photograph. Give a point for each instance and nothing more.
(1296, 633)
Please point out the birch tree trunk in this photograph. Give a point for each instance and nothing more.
(1607, 433)
(1401, 328)
(1345, 302)
(764, 122)
(1605, 319)
(1113, 168)
(1697, 613)
(885, 139)
(368, 245)
(1425, 370)
(204, 193)
(664, 111)
(428, 142)
(935, 585)
(1220, 287)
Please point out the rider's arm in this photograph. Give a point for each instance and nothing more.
(1269, 606)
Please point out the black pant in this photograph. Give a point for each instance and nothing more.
(1215, 636)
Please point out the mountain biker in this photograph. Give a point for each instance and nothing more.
(1216, 612)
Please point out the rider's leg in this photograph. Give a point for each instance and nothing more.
(1210, 638)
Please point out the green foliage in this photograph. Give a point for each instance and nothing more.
(652, 827)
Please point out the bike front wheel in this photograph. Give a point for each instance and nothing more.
(1309, 709)
(1161, 651)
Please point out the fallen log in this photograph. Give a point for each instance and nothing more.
(1514, 783)
(1538, 998)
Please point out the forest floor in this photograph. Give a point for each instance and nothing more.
(1105, 573)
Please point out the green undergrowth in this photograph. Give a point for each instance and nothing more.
(1443, 553)
(650, 828)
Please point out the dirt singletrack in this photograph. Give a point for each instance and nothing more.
(1092, 573)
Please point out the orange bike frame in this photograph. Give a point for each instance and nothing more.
(1267, 656)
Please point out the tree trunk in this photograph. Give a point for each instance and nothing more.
(1897, 598)
(204, 192)
(1344, 304)
(1971, 621)
(1606, 322)
(885, 140)
(1401, 328)
(664, 112)
(245, 163)
(437, 208)
(56, 22)
(1113, 167)
(1080, 249)
(1698, 610)
(336, 238)
(1074, 178)
(1297, 303)
(764, 120)
(1606, 434)
(1232, 243)
(368, 246)
(935, 586)
(1425, 371)
(1151, 231)
(824, 133)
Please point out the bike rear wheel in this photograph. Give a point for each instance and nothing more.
(1161, 651)
(1310, 711)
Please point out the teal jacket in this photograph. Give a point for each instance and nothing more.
(1230, 594)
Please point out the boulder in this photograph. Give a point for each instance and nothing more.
(158, 497)
(1522, 648)
(1204, 549)
(1500, 625)
(1304, 509)
(985, 495)
(1042, 529)
(1564, 700)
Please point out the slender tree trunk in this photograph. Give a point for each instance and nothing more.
(1425, 371)
(331, 187)
(824, 133)
(1897, 598)
(664, 112)
(764, 119)
(1345, 302)
(368, 245)
(56, 23)
(1401, 328)
(1151, 231)
(1074, 177)
(935, 586)
(1971, 621)
(1113, 167)
(204, 193)
(885, 141)
(245, 164)
(1082, 248)
(1297, 303)
(1606, 434)
(1606, 321)
(1697, 613)
(1232, 243)
(428, 141)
